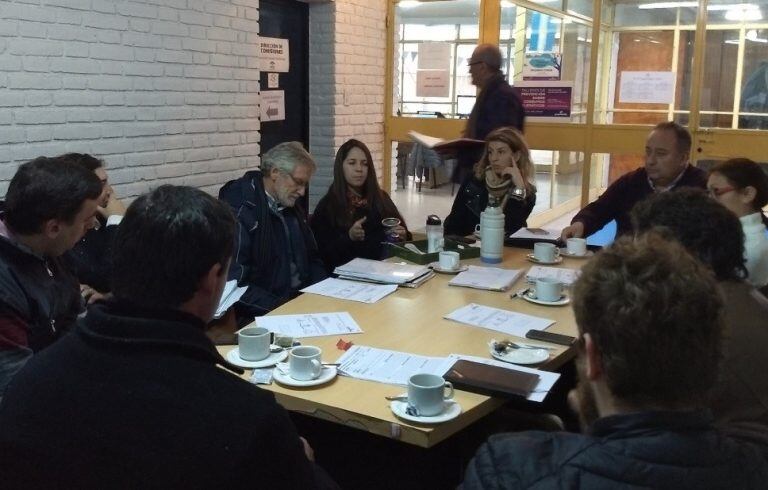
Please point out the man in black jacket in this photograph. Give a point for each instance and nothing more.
(51, 203)
(275, 251)
(135, 396)
(649, 317)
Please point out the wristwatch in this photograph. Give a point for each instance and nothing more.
(518, 193)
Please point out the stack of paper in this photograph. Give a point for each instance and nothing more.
(310, 324)
(508, 322)
(351, 290)
(383, 272)
(566, 276)
(490, 278)
(536, 234)
(231, 294)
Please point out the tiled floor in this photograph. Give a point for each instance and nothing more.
(416, 206)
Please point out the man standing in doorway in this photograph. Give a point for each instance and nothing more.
(497, 105)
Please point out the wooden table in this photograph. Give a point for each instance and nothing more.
(411, 320)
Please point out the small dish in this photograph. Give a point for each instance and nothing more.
(588, 254)
(435, 266)
(531, 297)
(521, 356)
(326, 375)
(451, 411)
(532, 258)
(273, 358)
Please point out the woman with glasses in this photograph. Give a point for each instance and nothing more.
(741, 185)
(504, 172)
(356, 215)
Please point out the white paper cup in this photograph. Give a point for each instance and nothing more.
(304, 362)
(253, 343)
(576, 246)
(449, 260)
(426, 392)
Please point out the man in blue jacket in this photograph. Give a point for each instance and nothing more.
(275, 251)
(649, 318)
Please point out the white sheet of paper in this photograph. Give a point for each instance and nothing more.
(566, 276)
(310, 324)
(272, 105)
(229, 296)
(351, 290)
(508, 322)
(546, 379)
(491, 278)
(389, 366)
(549, 234)
(647, 87)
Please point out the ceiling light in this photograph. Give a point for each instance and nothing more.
(743, 15)
(406, 4)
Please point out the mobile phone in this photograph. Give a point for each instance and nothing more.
(461, 239)
(554, 338)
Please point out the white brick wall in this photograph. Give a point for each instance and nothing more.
(347, 82)
(163, 90)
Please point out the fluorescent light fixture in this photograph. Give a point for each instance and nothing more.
(406, 4)
(666, 5)
(743, 15)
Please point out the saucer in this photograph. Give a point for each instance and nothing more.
(233, 356)
(533, 259)
(435, 266)
(521, 356)
(564, 300)
(588, 254)
(326, 375)
(451, 411)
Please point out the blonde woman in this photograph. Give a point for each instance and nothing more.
(504, 172)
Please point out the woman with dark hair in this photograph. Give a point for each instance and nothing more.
(505, 172)
(347, 221)
(741, 185)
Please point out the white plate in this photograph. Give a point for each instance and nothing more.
(435, 266)
(533, 259)
(564, 251)
(233, 356)
(522, 356)
(564, 300)
(451, 411)
(327, 374)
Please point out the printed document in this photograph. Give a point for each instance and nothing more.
(490, 278)
(389, 366)
(310, 324)
(508, 322)
(351, 290)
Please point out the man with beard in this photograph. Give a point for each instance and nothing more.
(650, 335)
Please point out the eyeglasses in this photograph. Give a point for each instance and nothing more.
(470, 63)
(719, 191)
(298, 183)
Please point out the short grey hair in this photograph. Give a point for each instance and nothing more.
(286, 157)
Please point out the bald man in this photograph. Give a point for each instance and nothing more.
(497, 104)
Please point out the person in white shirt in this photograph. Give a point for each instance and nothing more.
(741, 185)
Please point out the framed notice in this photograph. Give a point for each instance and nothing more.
(273, 54)
(546, 101)
(647, 87)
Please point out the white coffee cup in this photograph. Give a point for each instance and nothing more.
(449, 260)
(304, 362)
(426, 392)
(548, 289)
(576, 246)
(545, 252)
(253, 343)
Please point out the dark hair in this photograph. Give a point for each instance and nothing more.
(743, 172)
(167, 241)
(654, 313)
(48, 188)
(702, 225)
(85, 160)
(337, 192)
(682, 136)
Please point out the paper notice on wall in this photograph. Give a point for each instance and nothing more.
(542, 66)
(434, 56)
(546, 101)
(647, 87)
(273, 80)
(272, 105)
(432, 83)
(273, 54)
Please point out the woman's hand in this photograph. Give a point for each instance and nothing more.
(356, 232)
(514, 173)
